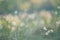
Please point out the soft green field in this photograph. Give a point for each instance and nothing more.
(29, 20)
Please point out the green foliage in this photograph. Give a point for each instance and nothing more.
(7, 6)
(4, 30)
(32, 32)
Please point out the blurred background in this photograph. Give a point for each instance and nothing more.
(29, 19)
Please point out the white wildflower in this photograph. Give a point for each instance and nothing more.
(57, 23)
(33, 16)
(16, 12)
(47, 32)
(58, 7)
(56, 12)
(22, 24)
(13, 28)
(51, 30)
(30, 16)
(13, 23)
(45, 28)
(23, 16)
